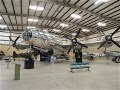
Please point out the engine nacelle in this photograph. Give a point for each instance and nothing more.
(108, 42)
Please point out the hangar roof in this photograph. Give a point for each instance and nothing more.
(49, 14)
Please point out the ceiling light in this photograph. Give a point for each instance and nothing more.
(74, 34)
(64, 25)
(33, 20)
(36, 8)
(30, 20)
(0, 17)
(40, 8)
(75, 16)
(3, 26)
(30, 27)
(101, 1)
(85, 30)
(56, 30)
(101, 24)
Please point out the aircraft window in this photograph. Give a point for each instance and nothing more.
(36, 33)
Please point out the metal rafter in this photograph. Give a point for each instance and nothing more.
(38, 26)
(47, 18)
(79, 9)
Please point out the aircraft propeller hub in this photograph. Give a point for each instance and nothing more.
(74, 40)
(75, 44)
(108, 38)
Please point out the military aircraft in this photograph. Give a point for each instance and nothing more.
(107, 40)
(114, 54)
(38, 40)
(90, 56)
(41, 38)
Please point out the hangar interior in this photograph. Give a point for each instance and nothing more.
(80, 34)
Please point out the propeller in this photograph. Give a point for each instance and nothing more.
(14, 42)
(75, 42)
(108, 38)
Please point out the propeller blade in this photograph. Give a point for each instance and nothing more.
(101, 31)
(17, 48)
(115, 31)
(101, 45)
(10, 38)
(66, 40)
(9, 48)
(82, 45)
(78, 33)
(115, 43)
(17, 38)
(70, 49)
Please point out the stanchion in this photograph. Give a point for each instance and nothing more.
(17, 72)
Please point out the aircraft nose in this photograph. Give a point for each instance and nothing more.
(27, 35)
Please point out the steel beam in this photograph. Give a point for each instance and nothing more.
(47, 18)
(64, 31)
(37, 26)
(79, 9)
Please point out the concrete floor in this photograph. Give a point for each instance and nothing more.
(104, 75)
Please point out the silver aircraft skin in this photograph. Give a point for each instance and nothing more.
(43, 39)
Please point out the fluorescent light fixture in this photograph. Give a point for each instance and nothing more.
(74, 34)
(101, 1)
(33, 20)
(40, 8)
(30, 19)
(75, 16)
(29, 27)
(56, 30)
(101, 24)
(3, 26)
(0, 17)
(36, 8)
(64, 25)
(85, 30)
